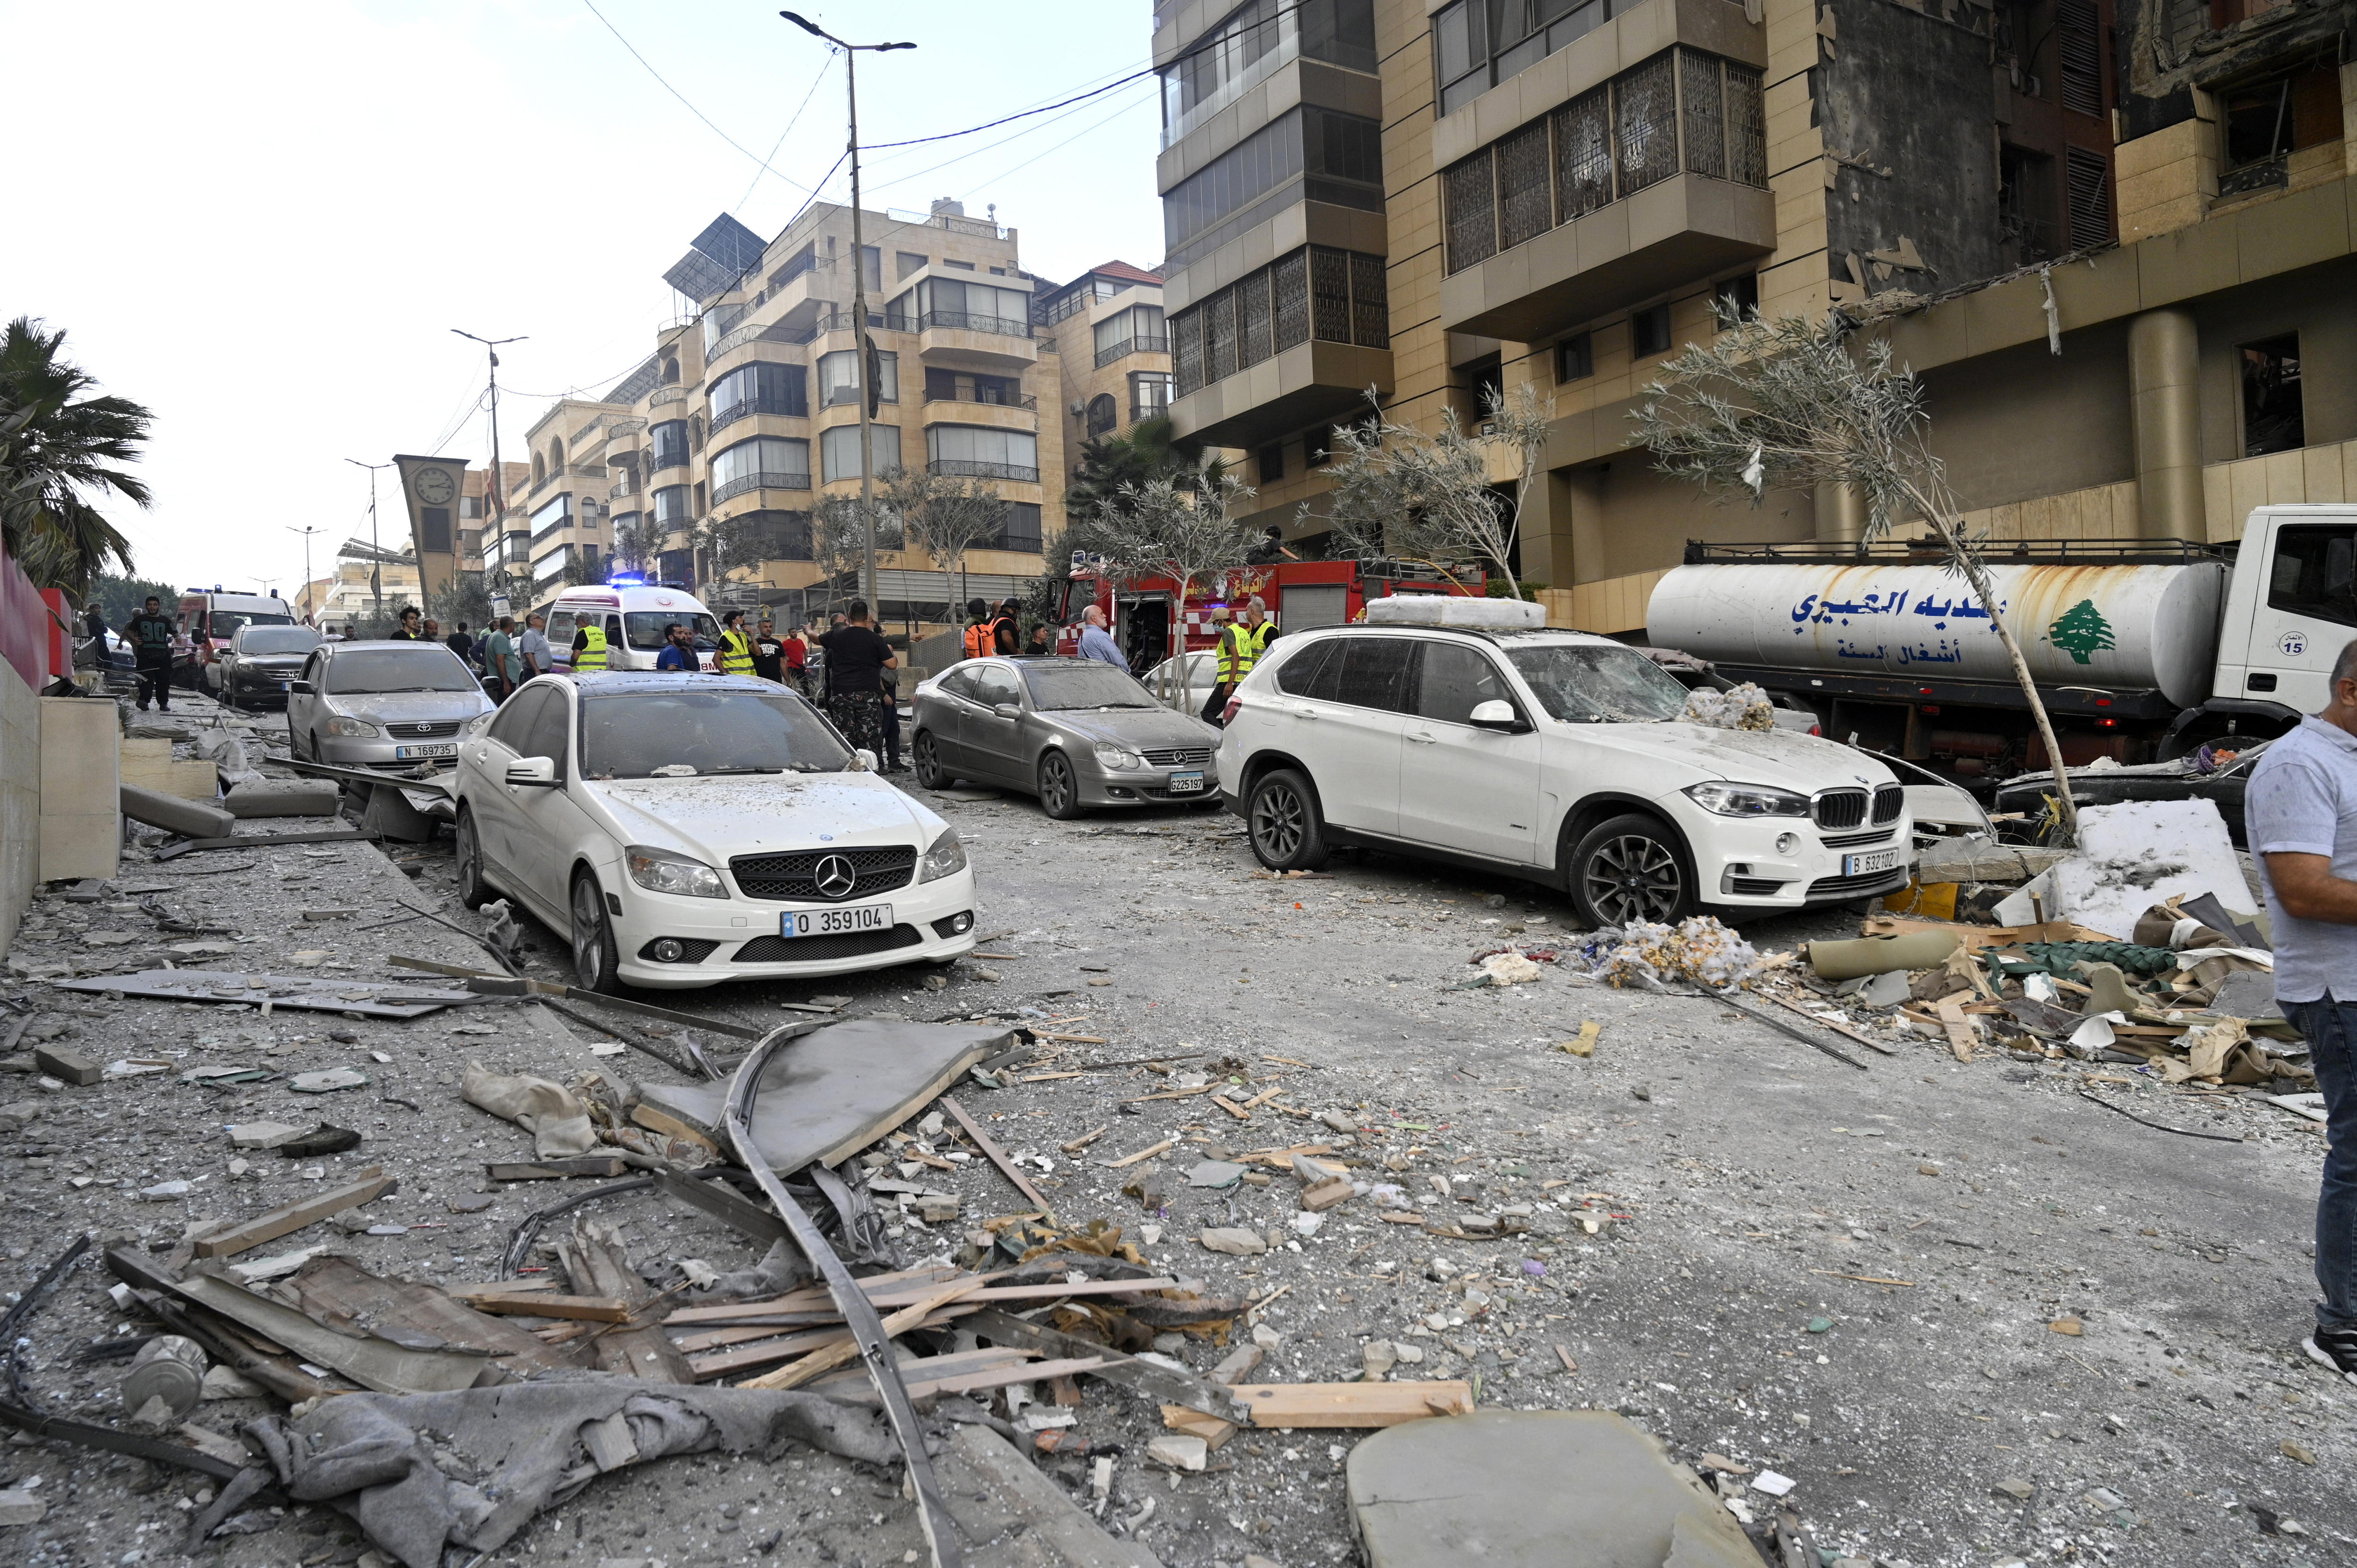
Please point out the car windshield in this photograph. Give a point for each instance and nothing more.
(278, 639)
(225, 624)
(1084, 683)
(645, 628)
(426, 667)
(1590, 685)
(687, 734)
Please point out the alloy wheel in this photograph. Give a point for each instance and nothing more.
(588, 934)
(1632, 877)
(1277, 821)
(1056, 784)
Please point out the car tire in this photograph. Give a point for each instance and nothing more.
(1060, 787)
(596, 960)
(1281, 819)
(926, 754)
(1630, 867)
(474, 889)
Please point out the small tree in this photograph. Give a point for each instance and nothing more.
(1186, 528)
(838, 541)
(1427, 496)
(1788, 403)
(635, 546)
(467, 598)
(946, 517)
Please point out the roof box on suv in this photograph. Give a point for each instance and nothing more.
(1451, 609)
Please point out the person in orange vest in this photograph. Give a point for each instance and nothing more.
(980, 639)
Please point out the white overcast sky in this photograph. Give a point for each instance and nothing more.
(263, 218)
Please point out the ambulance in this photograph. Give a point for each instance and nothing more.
(634, 613)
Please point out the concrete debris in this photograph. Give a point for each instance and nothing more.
(1233, 1240)
(1179, 1451)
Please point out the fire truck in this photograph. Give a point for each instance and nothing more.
(1153, 621)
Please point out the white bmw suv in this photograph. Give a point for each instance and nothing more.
(683, 830)
(1554, 756)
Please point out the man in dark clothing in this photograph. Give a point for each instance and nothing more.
(769, 653)
(678, 650)
(856, 659)
(1007, 629)
(408, 630)
(150, 635)
(459, 643)
(1270, 550)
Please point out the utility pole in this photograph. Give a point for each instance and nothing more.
(494, 499)
(870, 584)
(376, 565)
(306, 533)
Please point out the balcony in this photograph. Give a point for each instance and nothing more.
(625, 488)
(744, 484)
(1277, 395)
(1144, 411)
(1021, 400)
(1128, 346)
(662, 460)
(966, 322)
(723, 418)
(1685, 226)
(950, 468)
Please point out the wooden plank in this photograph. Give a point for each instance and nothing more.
(754, 1310)
(1354, 1404)
(1084, 1140)
(922, 1387)
(723, 1203)
(588, 1308)
(848, 1348)
(756, 1346)
(1163, 1147)
(817, 1298)
(1959, 1027)
(1195, 1424)
(1173, 1093)
(997, 1156)
(551, 1170)
(1232, 1108)
(1844, 1030)
(1178, 1389)
(284, 1221)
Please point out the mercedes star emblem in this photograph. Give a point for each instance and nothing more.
(834, 876)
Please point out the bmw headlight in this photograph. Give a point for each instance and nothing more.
(947, 858)
(357, 729)
(661, 871)
(1747, 799)
(1109, 755)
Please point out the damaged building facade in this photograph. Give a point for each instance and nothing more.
(2114, 236)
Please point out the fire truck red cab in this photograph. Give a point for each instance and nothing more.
(1153, 621)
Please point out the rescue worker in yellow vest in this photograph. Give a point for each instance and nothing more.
(589, 648)
(1240, 648)
(735, 655)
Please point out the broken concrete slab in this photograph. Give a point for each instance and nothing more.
(368, 998)
(832, 1091)
(283, 798)
(371, 1183)
(1592, 1490)
(72, 1067)
(188, 818)
(369, 1359)
(1011, 1514)
(1234, 1240)
(261, 1134)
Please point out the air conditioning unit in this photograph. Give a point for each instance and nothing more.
(1080, 408)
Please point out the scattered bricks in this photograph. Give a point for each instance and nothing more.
(1236, 1242)
(71, 1067)
(1238, 1364)
(1179, 1451)
(261, 1134)
(1326, 1194)
(936, 1209)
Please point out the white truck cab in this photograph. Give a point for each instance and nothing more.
(634, 616)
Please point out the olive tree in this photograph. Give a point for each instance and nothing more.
(1792, 403)
(946, 516)
(1186, 528)
(838, 538)
(1427, 496)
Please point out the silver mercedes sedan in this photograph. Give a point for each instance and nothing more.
(1075, 733)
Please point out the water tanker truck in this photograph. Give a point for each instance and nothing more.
(2143, 649)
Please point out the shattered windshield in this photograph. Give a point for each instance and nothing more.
(1084, 683)
(688, 733)
(1588, 684)
(421, 667)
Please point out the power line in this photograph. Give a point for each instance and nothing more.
(789, 130)
(691, 108)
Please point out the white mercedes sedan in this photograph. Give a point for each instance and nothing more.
(685, 830)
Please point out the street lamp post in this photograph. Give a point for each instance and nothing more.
(494, 498)
(869, 583)
(376, 567)
(306, 533)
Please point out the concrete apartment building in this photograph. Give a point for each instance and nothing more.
(1435, 196)
(748, 409)
(1111, 349)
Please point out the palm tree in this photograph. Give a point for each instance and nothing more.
(58, 448)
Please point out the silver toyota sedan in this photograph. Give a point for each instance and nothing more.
(1075, 733)
(388, 705)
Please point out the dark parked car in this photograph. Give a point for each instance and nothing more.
(2219, 778)
(261, 662)
(1075, 733)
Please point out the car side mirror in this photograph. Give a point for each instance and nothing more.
(1008, 710)
(302, 686)
(1497, 714)
(533, 773)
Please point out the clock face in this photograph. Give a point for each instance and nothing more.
(435, 486)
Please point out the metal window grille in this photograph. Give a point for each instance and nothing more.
(1329, 290)
(1470, 190)
(1747, 127)
(1583, 151)
(1526, 207)
(1219, 335)
(1289, 285)
(1370, 315)
(2077, 42)
(2091, 197)
(1645, 125)
(1703, 106)
(1187, 351)
(1251, 319)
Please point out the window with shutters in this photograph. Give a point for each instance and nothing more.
(1702, 107)
(2089, 179)
(1330, 294)
(1289, 287)
(1219, 337)
(1187, 351)
(1583, 142)
(1645, 125)
(1252, 342)
(1371, 314)
(2079, 52)
(1469, 189)
(1337, 296)
(1525, 199)
(2272, 417)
